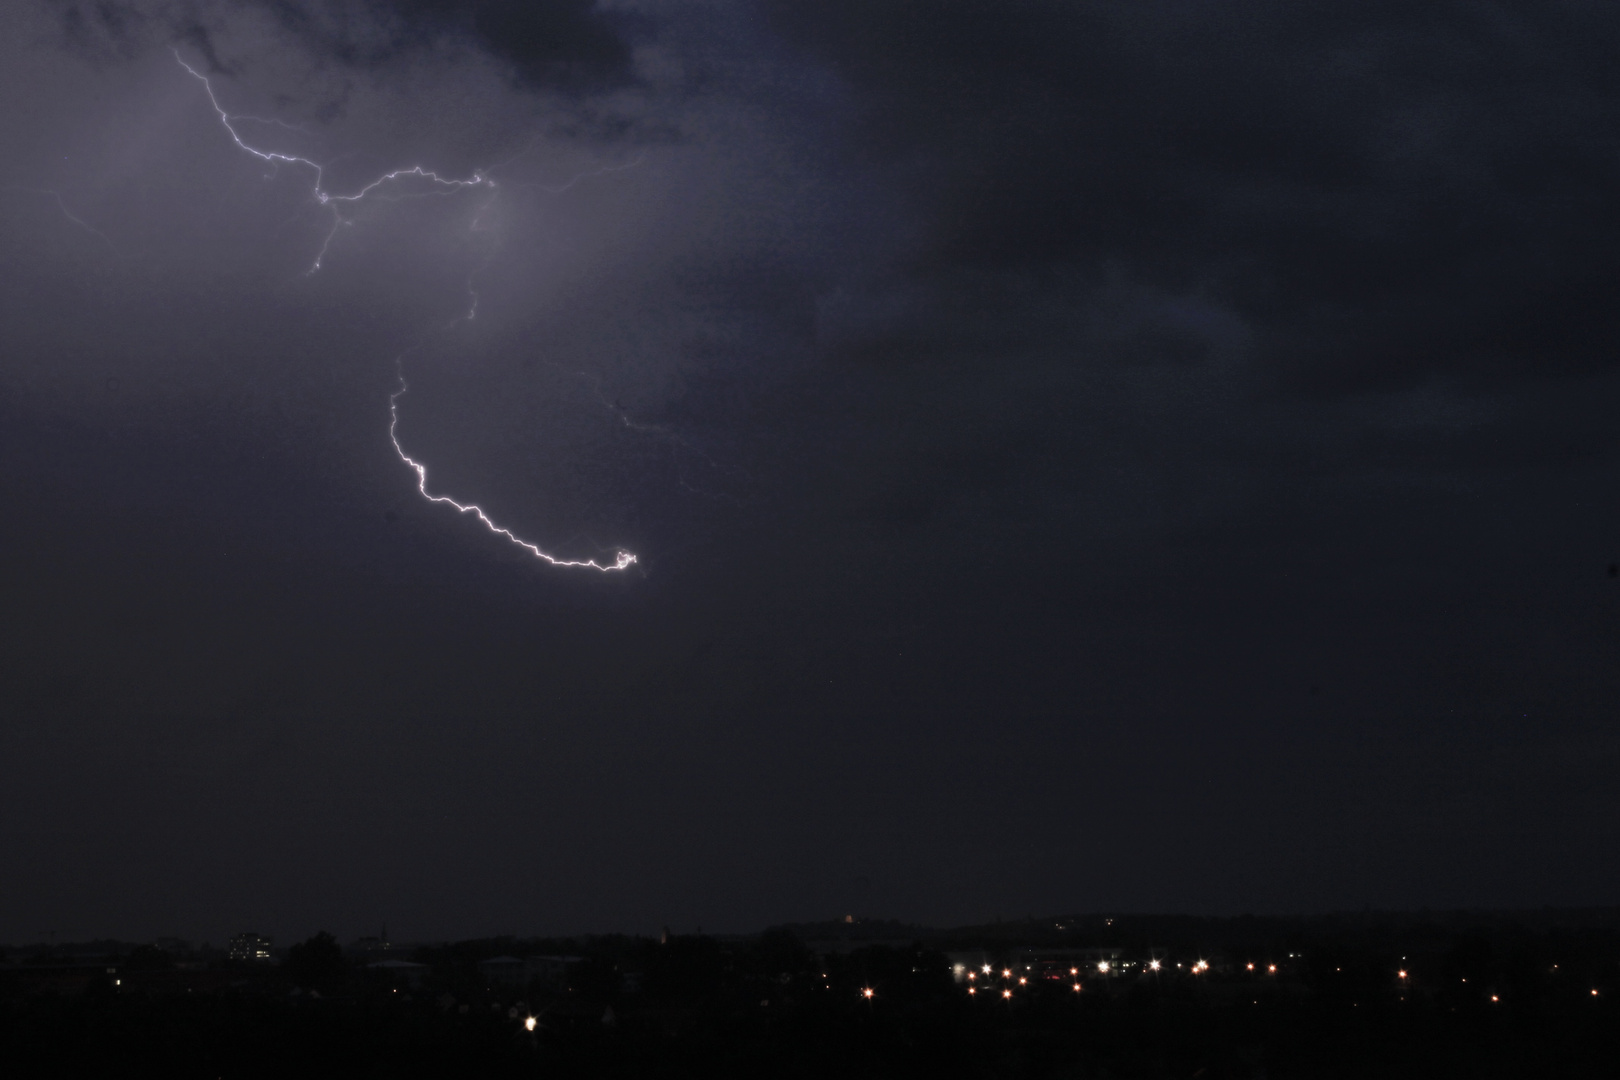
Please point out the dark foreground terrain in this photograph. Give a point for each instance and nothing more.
(1362, 997)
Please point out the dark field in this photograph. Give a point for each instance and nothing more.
(1479, 998)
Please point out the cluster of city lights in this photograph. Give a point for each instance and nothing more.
(1007, 976)
(1009, 980)
(1006, 982)
(987, 977)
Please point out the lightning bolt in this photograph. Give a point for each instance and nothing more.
(622, 560)
(71, 216)
(322, 196)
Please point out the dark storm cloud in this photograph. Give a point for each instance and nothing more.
(1150, 454)
(547, 44)
(1381, 191)
(552, 44)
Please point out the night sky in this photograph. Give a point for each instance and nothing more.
(1144, 455)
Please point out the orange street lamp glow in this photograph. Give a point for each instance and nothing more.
(1006, 993)
(867, 993)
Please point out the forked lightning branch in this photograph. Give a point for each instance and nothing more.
(335, 203)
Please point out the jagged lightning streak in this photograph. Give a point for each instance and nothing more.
(622, 559)
(322, 196)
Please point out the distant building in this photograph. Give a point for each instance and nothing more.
(374, 948)
(550, 972)
(502, 971)
(401, 971)
(250, 946)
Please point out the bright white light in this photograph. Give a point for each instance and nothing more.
(528, 1024)
(620, 562)
(1153, 965)
(987, 969)
(867, 992)
(1102, 966)
(622, 559)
